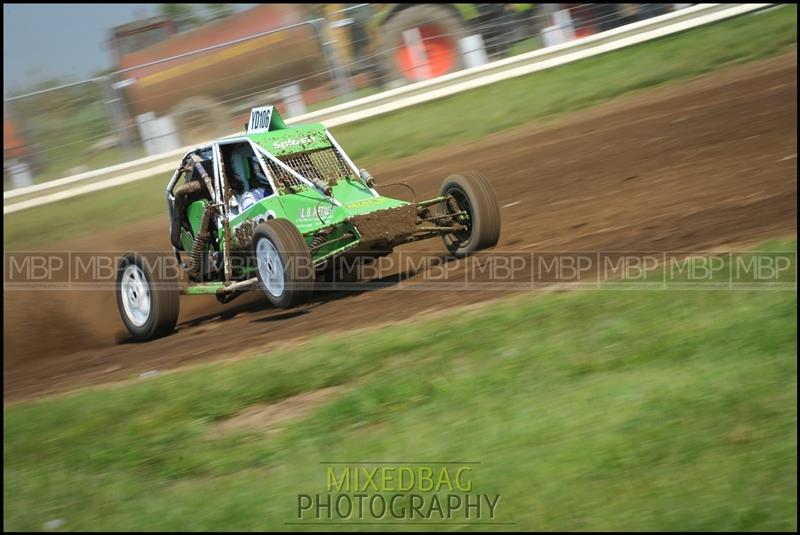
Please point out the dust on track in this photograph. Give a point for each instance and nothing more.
(699, 165)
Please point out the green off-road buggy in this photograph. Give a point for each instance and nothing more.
(277, 209)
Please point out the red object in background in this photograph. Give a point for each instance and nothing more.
(441, 52)
(13, 144)
(586, 18)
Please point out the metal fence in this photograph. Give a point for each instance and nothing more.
(177, 99)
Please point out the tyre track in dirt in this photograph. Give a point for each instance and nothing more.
(704, 164)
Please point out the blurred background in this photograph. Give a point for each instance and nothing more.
(128, 81)
(619, 398)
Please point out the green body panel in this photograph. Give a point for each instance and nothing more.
(195, 213)
(186, 240)
(311, 211)
(307, 208)
(292, 140)
(203, 289)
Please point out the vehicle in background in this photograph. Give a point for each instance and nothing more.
(376, 40)
(205, 92)
(377, 46)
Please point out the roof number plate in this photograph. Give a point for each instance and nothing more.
(259, 120)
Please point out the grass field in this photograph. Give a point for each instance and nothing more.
(107, 209)
(596, 410)
(466, 116)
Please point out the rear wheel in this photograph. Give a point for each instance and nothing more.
(283, 262)
(471, 194)
(148, 303)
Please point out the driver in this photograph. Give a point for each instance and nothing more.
(245, 164)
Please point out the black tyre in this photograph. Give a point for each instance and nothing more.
(283, 263)
(471, 193)
(148, 303)
(440, 27)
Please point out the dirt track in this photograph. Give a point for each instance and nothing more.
(704, 164)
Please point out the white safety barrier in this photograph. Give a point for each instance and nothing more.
(411, 95)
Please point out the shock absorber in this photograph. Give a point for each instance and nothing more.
(196, 256)
(199, 244)
(319, 240)
(367, 178)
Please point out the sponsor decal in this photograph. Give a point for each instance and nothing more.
(283, 145)
(366, 202)
(311, 212)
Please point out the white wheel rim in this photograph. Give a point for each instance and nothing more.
(135, 295)
(270, 267)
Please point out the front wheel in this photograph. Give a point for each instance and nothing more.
(283, 261)
(472, 201)
(148, 303)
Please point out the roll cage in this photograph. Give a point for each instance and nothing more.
(219, 188)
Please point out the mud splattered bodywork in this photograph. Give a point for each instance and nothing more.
(307, 179)
(386, 228)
